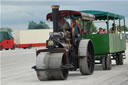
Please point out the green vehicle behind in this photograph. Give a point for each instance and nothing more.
(107, 46)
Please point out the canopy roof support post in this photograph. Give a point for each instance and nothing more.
(119, 25)
(124, 25)
(88, 26)
(115, 30)
(107, 24)
(83, 24)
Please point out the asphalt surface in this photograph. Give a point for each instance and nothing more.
(16, 70)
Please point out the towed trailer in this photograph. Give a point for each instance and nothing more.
(65, 49)
(110, 45)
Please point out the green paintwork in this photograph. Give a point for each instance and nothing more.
(117, 43)
(107, 43)
(97, 57)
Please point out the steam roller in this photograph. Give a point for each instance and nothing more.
(65, 50)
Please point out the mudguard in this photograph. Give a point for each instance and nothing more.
(83, 46)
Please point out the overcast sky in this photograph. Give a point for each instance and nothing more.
(17, 13)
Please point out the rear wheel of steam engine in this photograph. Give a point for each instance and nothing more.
(87, 59)
(51, 63)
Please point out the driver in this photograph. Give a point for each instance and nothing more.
(63, 25)
(75, 25)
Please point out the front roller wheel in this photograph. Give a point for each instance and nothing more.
(87, 62)
(51, 63)
(52, 75)
(106, 62)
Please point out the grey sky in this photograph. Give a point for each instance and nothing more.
(16, 14)
(63, 0)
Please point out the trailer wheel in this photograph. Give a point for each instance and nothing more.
(106, 62)
(24, 47)
(13, 47)
(119, 59)
(30, 46)
(1, 47)
(87, 63)
(6, 48)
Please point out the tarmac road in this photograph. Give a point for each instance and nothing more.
(16, 70)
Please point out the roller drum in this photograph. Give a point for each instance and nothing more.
(52, 62)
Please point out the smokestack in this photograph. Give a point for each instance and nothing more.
(55, 17)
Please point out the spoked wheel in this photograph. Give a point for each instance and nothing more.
(87, 63)
(119, 59)
(52, 63)
(106, 62)
(30, 46)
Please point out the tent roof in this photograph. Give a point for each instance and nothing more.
(102, 15)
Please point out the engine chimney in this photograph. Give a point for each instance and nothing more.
(55, 17)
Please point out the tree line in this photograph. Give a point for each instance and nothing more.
(43, 25)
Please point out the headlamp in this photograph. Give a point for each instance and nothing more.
(50, 43)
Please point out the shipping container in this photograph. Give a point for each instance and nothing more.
(31, 38)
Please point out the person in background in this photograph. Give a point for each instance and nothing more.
(112, 30)
(75, 25)
(118, 29)
(84, 31)
(63, 25)
(105, 30)
(100, 31)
